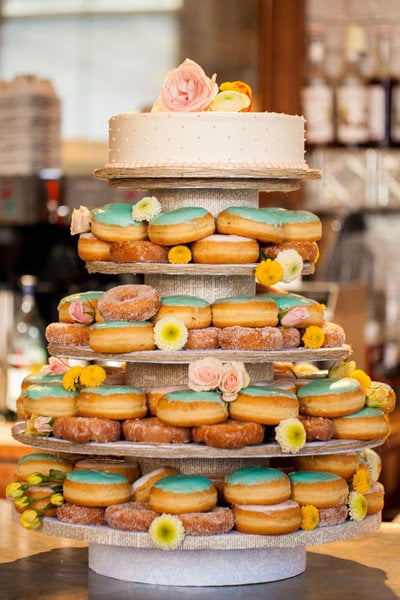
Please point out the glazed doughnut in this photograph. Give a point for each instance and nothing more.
(308, 251)
(177, 494)
(142, 486)
(90, 248)
(257, 485)
(67, 334)
(194, 312)
(141, 251)
(334, 335)
(244, 311)
(129, 302)
(230, 434)
(114, 223)
(222, 249)
(96, 488)
(375, 498)
(49, 401)
(366, 424)
(41, 463)
(130, 516)
(88, 301)
(203, 339)
(319, 488)
(212, 522)
(81, 515)
(121, 336)
(291, 337)
(296, 310)
(373, 462)
(331, 397)
(186, 408)
(265, 405)
(84, 429)
(181, 226)
(317, 428)
(124, 466)
(155, 394)
(112, 402)
(250, 338)
(39, 498)
(344, 465)
(332, 515)
(271, 519)
(153, 431)
(389, 404)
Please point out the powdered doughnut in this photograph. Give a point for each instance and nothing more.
(250, 338)
(41, 463)
(271, 519)
(114, 223)
(90, 248)
(88, 302)
(257, 485)
(155, 394)
(112, 402)
(344, 465)
(230, 434)
(244, 311)
(96, 488)
(181, 226)
(142, 251)
(332, 515)
(291, 337)
(81, 515)
(141, 488)
(331, 397)
(225, 249)
(67, 334)
(265, 405)
(212, 522)
(375, 498)
(308, 251)
(121, 336)
(177, 494)
(317, 428)
(334, 335)
(296, 310)
(129, 303)
(366, 424)
(153, 431)
(49, 401)
(206, 338)
(319, 488)
(84, 429)
(187, 408)
(194, 312)
(130, 516)
(124, 466)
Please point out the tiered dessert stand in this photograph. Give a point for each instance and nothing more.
(233, 558)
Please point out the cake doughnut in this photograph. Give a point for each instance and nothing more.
(194, 312)
(230, 434)
(115, 223)
(90, 248)
(319, 488)
(49, 401)
(177, 494)
(331, 397)
(244, 311)
(344, 465)
(142, 486)
(84, 429)
(42, 463)
(271, 519)
(291, 337)
(129, 302)
(308, 251)
(181, 226)
(152, 431)
(334, 335)
(317, 428)
(332, 515)
(81, 515)
(206, 338)
(257, 485)
(250, 338)
(186, 408)
(67, 334)
(375, 498)
(153, 395)
(96, 488)
(141, 251)
(124, 466)
(365, 424)
(88, 302)
(223, 249)
(112, 402)
(211, 522)
(265, 405)
(130, 516)
(296, 310)
(121, 336)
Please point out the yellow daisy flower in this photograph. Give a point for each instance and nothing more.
(309, 517)
(70, 379)
(290, 435)
(268, 272)
(179, 255)
(146, 209)
(167, 532)
(313, 337)
(357, 506)
(170, 334)
(92, 376)
(361, 481)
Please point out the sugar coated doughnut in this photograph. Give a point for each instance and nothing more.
(181, 226)
(257, 485)
(365, 424)
(319, 488)
(229, 434)
(124, 466)
(142, 251)
(225, 249)
(49, 401)
(183, 494)
(334, 335)
(112, 402)
(308, 251)
(142, 486)
(153, 431)
(250, 338)
(271, 519)
(130, 516)
(130, 302)
(206, 338)
(115, 223)
(211, 522)
(332, 515)
(345, 464)
(331, 397)
(121, 336)
(186, 408)
(81, 515)
(291, 337)
(96, 488)
(87, 301)
(244, 311)
(375, 498)
(85, 429)
(194, 312)
(90, 248)
(317, 428)
(41, 463)
(265, 405)
(68, 334)
(297, 310)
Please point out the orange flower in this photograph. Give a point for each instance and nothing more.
(239, 86)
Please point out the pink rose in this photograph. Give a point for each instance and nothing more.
(234, 378)
(205, 374)
(55, 366)
(81, 312)
(43, 424)
(295, 316)
(80, 220)
(186, 89)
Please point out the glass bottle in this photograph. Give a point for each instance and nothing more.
(26, 351)
(380, 89)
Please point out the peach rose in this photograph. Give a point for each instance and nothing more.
(295, 316)
(205, 374)
(234, 378)
(80, 220)
(55, 365)
(43, 424)
(186, 89)
(81, 312)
